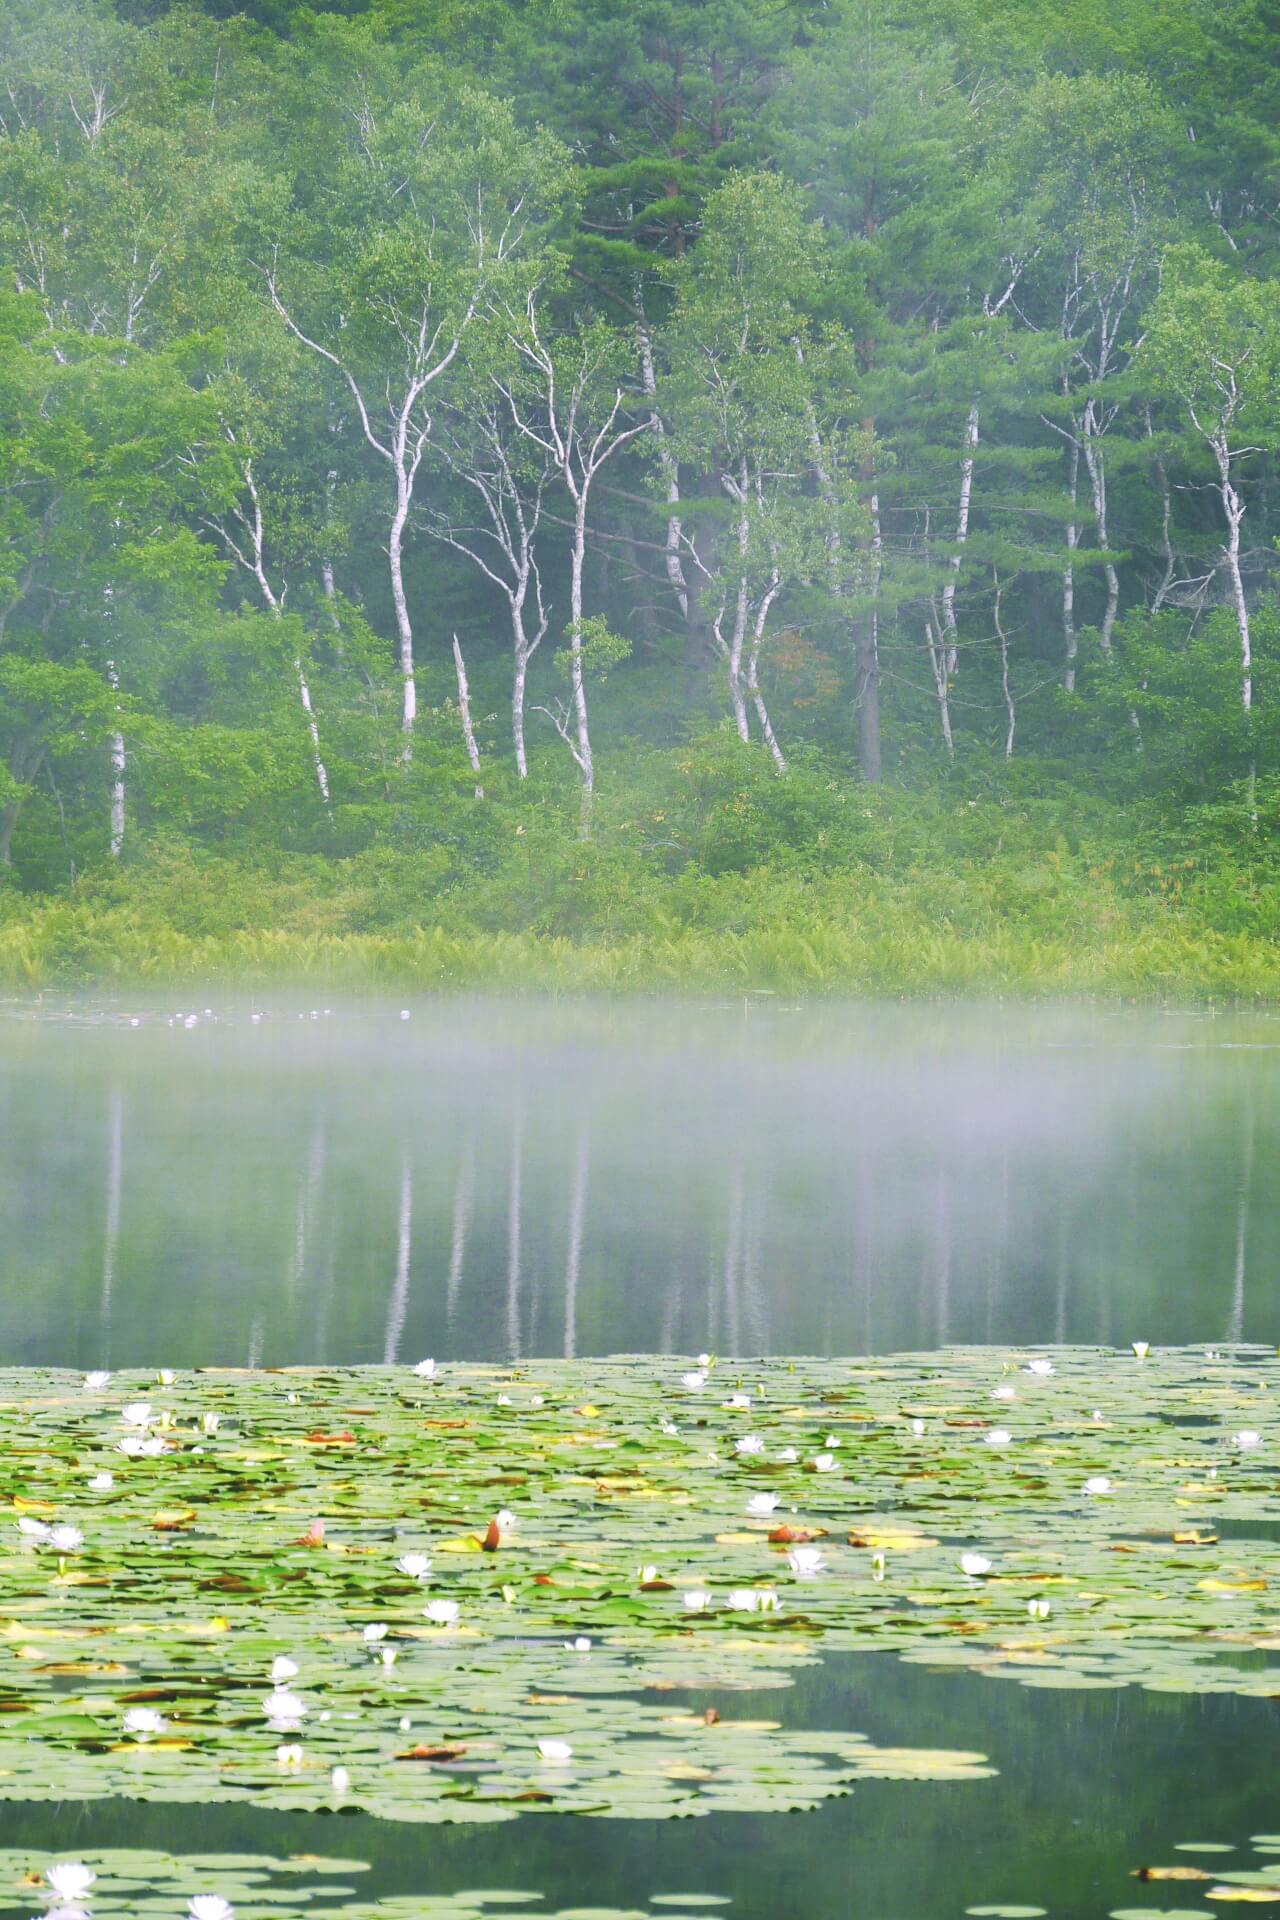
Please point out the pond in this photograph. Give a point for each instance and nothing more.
(490, 1182)
(485, 1180)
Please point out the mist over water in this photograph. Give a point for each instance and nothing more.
(492, 1181)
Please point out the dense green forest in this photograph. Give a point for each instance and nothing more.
(773, 491)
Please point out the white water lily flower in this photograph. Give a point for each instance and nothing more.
(556, 1753)
(580, 1645)
(1141, 1347)
(917, 1427)
(745, 1600)
(824, 1463)
(1246, 1438)
(738, 1400)
(210, 1906)
(289, 1755)
(375, 1631)
(210, 1422)
(833, 1440)
(787, 1458)
(1096, 1415)
(282, 1705)
(66, 1539)
(749, 1443)
(144, 1723)
(283, 1668)
(166, 1376)
(442, 1613)
(416, 1565)
(505, 1520)
(504, 1399)
(998, 1437)
(102, 1483)
(668, 1427)
(695, 1382)
(70, 1879)
(974, 1564)
(137, 1413)
(1004, 1393)
(537, 1401)
(1044, 1367)
(340, 1780)
(1039, 1609)
(647, 1574)
(426, 1369)
(139, 1446)
(33, 1530)
(704, 1359)
(805, 1561)
(405, 1723)
(95, 1382)
(769, 1602)
(697, 1600)
(388, 1656)
(1097, 1483)
(762, 1504)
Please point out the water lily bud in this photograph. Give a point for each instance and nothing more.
(917, 1427)
(974, 1564)
(340, 1780)
(1141, 1348)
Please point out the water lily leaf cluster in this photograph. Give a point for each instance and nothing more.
(468, 1592)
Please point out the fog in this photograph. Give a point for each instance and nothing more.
(495, 1181)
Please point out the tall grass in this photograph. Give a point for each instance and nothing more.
(894, 950)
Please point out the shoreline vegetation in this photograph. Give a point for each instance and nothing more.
(940, 898)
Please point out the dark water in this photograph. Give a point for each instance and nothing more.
(1091, 1787)
(495, 1180)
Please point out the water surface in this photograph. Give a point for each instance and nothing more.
(486, 1180)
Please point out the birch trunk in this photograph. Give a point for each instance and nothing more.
(962, 534)
(1068, 572)
(404, 626)
(1095, 462)
(117, 775)
(866, 689)
(464, 708)
(1233, 512)
(578, 690)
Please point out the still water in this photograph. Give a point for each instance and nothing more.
(488, 1181)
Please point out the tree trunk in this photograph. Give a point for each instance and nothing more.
(1233, 510)
(1068, 574)
(517, 706)
(1095, 461)
(404, 629)
(464, 708)
(586, 766)
(866, 681)
(962, 534)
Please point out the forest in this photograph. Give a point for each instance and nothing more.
(779, 493)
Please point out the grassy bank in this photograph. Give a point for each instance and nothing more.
(875, 946)
(707, 876)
